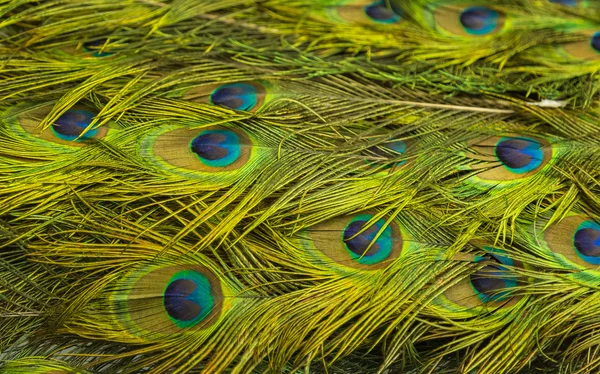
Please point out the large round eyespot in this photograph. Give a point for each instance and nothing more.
(188, 298)
(217, 148)
(489, 286)
(588, 49)
(244, 96)
(368, 12)
(68, 129)
(508, 158)
(167, 300)
(95, 46)
(355, 241)
(520, 155)
(469, 21)
(213, 149)
(577, 239)
(70, 125)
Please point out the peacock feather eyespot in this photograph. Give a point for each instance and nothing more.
(357, 241)
(509, 158)
(380, 13)
(519, 155)
(70, 125)
(389, 150)
(587, 49)
(187, 298)
(169, 299)
(576, 239)
(363, 243)
(217, 148)
(216, 154)
(70, 128)
(367, 12)
(469, 20)
(587, 242)
(243, 96)
(491, 285)
(94, 47)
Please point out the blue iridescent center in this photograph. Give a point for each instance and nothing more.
(238, 96)
(519, 155)
(362, 247)
(188, 298)
(565, 2)
(586, 241)
(492, 282)
(479, 20)
(380, 13)
(217, 148)
(595, 42)
(71, 125)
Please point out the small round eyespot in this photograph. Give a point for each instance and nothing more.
(244, 96)
(238, 96)
(576, 238)
(479, 20)
(365, 12)
(509, 158)
(380, 13)
(71, 125)
(469, 21)
(70, 128)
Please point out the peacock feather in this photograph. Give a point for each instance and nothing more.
(267, 186)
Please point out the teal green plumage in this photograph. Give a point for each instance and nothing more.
(273, 186)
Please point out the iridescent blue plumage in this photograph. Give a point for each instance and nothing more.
(519, 155)
(587, 242)
(217, 148)
(72, 124)
(362, 246)
(380, 13)
(479, 20)
(238, 96)
(493, 282)
(187, 298)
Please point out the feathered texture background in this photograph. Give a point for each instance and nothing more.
(325, 186)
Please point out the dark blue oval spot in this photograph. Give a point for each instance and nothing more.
(178, 300)
(238, 96)
(479, 20)
(489, 284)
(520, 155)
(359, 244)
(72, 123)
(595, 42)
(217, 148)
(587, 242)
(380, 13)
